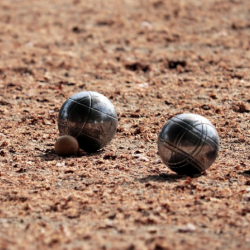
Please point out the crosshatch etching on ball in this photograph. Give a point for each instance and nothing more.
(89, 117)
(109, 113)
(188, 144)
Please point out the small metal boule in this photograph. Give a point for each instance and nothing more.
(188, 144)
(66, 145)
(89, 117)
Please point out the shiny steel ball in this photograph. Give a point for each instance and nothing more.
(188, 144)
(66, 145)
(89, 117)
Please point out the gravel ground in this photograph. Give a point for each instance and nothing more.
(153, 59)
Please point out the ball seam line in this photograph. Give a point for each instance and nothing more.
(87, 114)
(86, 135)
(179, 140)
(200, 140)
(98, 94)
(90, 137)
(196, 128)
(211, 140)
(93, 109)
(189, 157)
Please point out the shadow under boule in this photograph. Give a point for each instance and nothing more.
(167, 177)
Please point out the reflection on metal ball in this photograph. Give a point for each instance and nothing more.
(89, 117)
(188, 144)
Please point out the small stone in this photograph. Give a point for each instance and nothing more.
(188, 228)
(66, 145)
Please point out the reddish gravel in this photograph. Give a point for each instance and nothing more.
(153, 59)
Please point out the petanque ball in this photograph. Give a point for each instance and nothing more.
(188, 144)
(89, 117)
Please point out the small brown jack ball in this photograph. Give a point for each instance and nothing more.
(66, 145)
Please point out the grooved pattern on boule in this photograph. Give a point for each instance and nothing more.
(90, 117)
(87, 114)
(188, 144)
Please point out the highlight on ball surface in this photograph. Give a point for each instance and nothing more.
(89, 117)
(188, 144)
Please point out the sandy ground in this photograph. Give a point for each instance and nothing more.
(153, 59)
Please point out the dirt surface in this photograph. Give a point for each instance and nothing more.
(153, 59)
